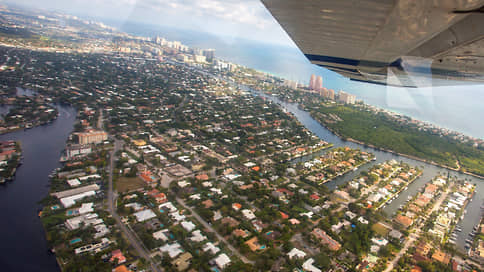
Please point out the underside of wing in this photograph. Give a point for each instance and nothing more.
(391, 42)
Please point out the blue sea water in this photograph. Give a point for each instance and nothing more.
(458, 108)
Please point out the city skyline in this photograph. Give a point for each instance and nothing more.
(227, 19)
(144, 152)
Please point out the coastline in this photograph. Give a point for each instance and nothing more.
(396, 153)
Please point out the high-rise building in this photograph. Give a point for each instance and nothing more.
(198, 58)
(330, 94)
(197, 51)
(290, 83)
(346, 98)
(209, 54)
(92, 137)
(176, 45)
(312, 82)
(319, 83)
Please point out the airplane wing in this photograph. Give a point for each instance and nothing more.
(369, 40)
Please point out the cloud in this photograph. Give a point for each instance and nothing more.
(229, 18)
(250, 13)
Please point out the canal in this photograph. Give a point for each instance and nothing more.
(473, 209)
(24, 247)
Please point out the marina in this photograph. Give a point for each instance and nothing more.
(473, 209)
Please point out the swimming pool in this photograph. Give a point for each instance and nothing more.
(74, 241)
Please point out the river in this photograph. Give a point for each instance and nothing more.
(24, 247)
(473, 214)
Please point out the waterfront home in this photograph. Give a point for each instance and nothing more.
(403, 221)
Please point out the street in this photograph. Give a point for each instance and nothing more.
(416, 234)
(133, 240)
(209, 227)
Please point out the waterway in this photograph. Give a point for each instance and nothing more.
(473, 214)
(24, 247)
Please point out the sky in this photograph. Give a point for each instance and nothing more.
(230, 21)
(247, 19)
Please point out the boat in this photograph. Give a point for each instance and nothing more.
(356, 168)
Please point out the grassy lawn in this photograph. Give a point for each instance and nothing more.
(125, 184)
(380, 229)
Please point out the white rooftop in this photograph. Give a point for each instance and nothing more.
(222, 260)
(169, 206)
(308, 266)
(188, 225)
(248, 214)
(173, 250)
(296, 253)
(160, 235)
(71, 200)
(210, 247)
(86, 208)
(73, 182)
(144, 215)
(197, 236)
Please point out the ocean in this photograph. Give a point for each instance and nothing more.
(459, 108)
